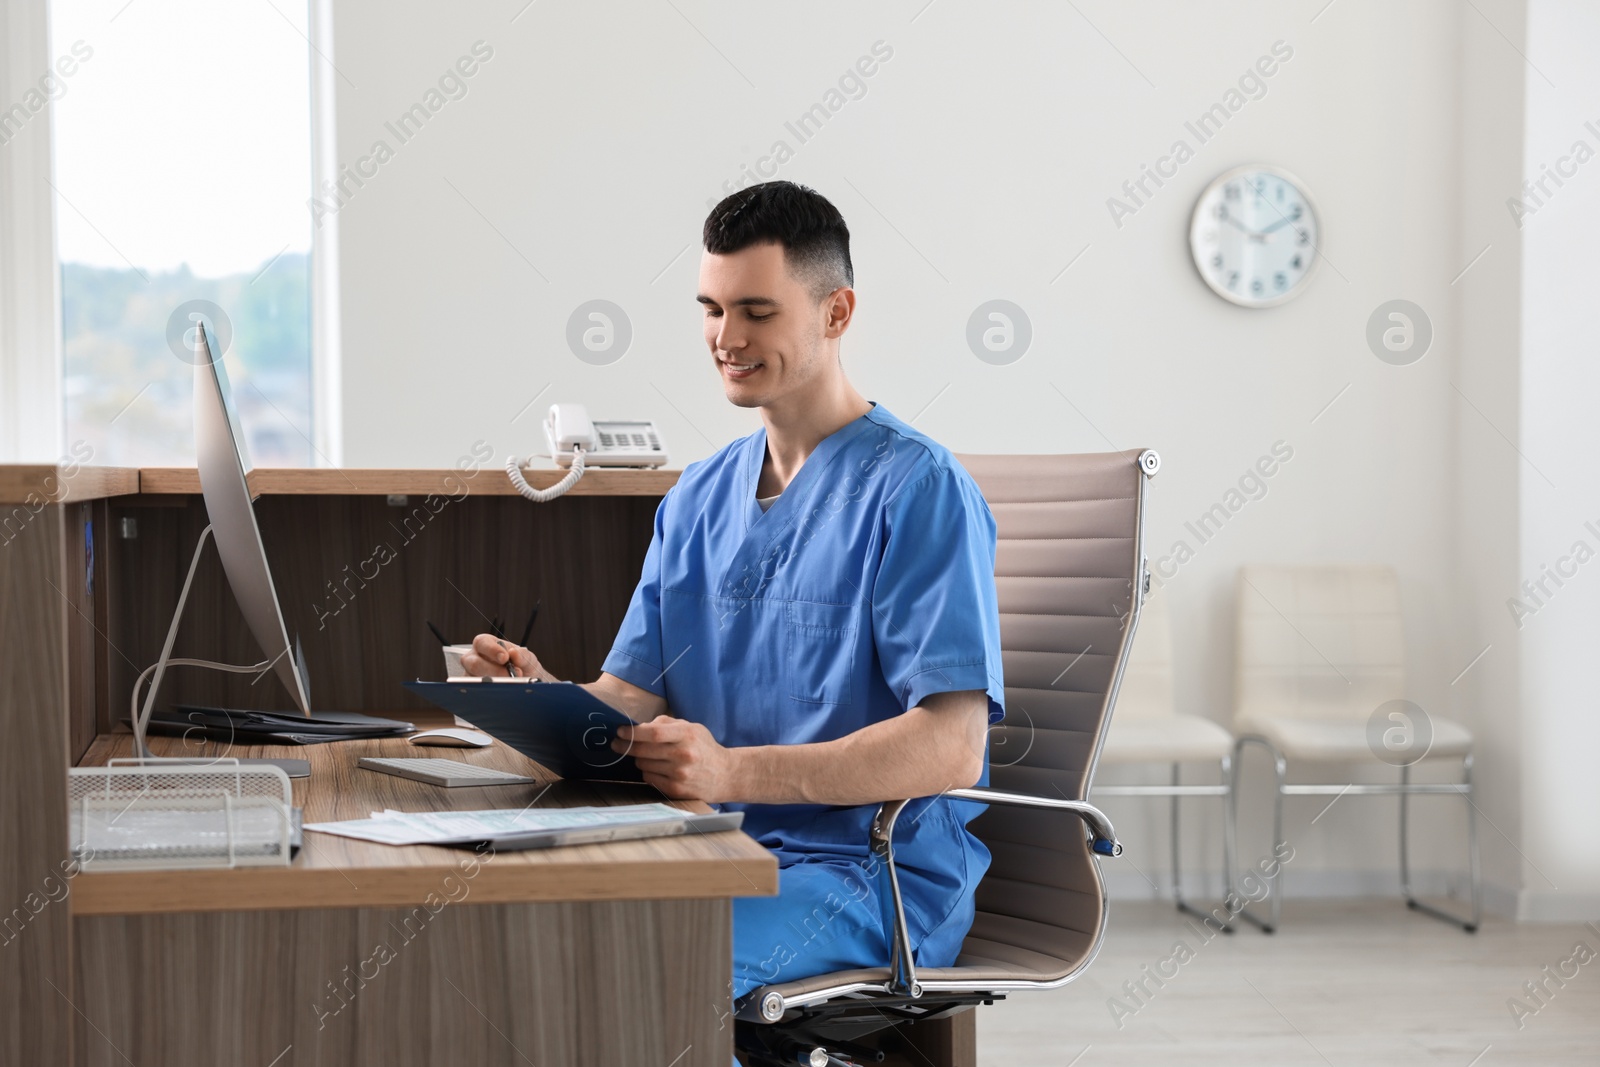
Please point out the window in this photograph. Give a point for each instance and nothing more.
(182, 172)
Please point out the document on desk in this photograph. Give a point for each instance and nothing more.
(506, 829)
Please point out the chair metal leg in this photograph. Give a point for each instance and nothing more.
(1472, 843)
(1275, 882)
(1405, 863)
(1177, 879)
(1274, 888)
(1470, 925)
(1230, 833)
(1235, 902)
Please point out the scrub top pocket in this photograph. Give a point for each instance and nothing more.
(820, 651)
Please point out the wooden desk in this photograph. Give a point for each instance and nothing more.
(358, 953)
(342, 872)
(435, 955)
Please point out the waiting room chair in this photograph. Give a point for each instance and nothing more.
(1070, 574)
(1148, 730)
(1320, 676)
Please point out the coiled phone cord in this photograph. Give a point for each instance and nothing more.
(544, 496)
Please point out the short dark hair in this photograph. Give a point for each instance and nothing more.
(815, 240)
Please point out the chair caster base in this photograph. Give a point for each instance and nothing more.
(1469, 926)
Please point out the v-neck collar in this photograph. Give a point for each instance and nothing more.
(805, 478)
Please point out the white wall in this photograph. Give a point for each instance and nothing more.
(30, 304)
(1560, 501)
(977, 165)
(1485, 472)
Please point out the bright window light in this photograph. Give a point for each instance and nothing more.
(182, 172)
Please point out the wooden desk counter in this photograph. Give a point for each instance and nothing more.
(342, 872)
(590, 956)
(38, 484)
(368, 955)
(490, 481)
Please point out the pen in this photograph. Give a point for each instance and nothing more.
(509, 668)
(527, 631)
(436, 633)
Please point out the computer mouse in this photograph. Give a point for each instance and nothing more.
(453, 737)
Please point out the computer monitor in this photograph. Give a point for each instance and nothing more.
(224, 465)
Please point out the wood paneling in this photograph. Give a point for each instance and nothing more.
(358, 578)
(336, 871)
(358, 482)
(35, 970)
(579, 984)
(84, 576)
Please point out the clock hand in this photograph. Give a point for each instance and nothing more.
(1278, 225)
(1241, 227)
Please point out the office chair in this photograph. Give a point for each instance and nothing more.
(1321, 649)
(1149, 730)
(1071, 577)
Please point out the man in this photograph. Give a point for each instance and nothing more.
(816, 628)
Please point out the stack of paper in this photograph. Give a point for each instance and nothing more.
(528, 828)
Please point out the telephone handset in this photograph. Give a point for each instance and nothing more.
(577, 443)
(612, 443)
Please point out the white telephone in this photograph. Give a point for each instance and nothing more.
(577, 443)
(614, 443)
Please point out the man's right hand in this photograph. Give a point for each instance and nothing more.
(492, 655)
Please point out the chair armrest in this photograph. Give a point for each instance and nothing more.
(1104, 835)
(902, 964)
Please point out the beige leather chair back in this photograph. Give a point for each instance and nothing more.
(1318, 642)
(1067, 569)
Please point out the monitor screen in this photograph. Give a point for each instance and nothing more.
(220, 456)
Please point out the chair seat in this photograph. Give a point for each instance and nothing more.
(982, 959)
(1343, 739)
(1164, 739)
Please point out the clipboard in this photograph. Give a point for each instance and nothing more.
(559, 725)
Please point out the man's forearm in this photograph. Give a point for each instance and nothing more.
(921, 753)
(638, 704)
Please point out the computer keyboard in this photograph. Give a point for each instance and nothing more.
(446, 772)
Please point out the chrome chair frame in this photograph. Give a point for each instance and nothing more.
(1405, 788)
(1177, 791)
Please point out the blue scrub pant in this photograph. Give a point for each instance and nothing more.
(826, 917)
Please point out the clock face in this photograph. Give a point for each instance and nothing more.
(1254, 236)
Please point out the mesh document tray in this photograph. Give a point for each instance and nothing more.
(157, 813)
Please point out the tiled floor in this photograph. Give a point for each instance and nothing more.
(1341, 984)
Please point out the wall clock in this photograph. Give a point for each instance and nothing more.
(1254, 236)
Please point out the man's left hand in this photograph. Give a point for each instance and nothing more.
(679, 757)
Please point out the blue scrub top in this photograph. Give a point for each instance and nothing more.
(865, 587)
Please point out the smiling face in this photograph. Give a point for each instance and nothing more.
(771, 338)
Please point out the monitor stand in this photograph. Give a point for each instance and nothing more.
(294, 768)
